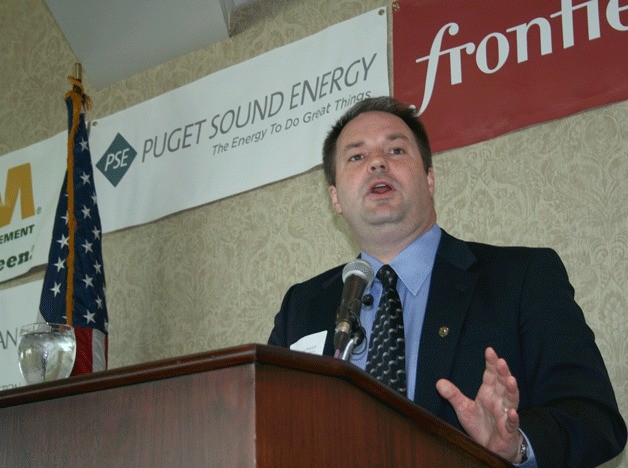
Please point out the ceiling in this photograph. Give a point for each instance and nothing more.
(115, 39)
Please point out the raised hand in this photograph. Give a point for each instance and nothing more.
(491, 419)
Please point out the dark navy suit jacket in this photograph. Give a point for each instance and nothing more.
(518, 301)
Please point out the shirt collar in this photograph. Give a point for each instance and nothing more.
(413, 264)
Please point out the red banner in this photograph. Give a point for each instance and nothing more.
(476, 69)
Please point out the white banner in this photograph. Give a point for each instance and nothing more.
(243, 127)
(18, 306)
(33, 176)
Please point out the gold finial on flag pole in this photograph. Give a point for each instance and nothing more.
(77, 87)
(78, 71)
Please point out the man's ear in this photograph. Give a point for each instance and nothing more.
(333, 195)
(431, 183)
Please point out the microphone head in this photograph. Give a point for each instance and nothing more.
(361, 268)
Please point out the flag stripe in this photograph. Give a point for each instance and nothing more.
(84, 351)
(99, 350)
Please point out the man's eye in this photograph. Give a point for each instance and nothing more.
(396, 151)
(355, 157)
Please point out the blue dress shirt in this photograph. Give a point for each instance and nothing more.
(413, 266)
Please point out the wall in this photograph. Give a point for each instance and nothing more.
(214, 276)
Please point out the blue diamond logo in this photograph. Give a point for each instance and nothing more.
(117, 160)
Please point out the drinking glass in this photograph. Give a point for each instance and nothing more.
(46, 351)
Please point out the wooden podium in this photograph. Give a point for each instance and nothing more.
(252, 405)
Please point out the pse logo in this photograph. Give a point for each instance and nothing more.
(117, 160)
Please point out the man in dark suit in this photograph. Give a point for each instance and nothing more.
(494, 341)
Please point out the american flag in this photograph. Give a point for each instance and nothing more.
(74, 284)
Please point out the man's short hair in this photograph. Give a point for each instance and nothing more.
(375, 104)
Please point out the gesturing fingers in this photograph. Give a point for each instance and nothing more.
(491, 418)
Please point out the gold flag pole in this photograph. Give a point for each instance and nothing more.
(79, 102)
(78, 71)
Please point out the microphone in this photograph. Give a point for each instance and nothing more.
(357, 276)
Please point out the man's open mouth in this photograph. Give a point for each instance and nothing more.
(380, 188)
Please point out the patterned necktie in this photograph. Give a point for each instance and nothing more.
(386, 358)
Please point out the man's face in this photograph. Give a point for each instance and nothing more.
(380, 178)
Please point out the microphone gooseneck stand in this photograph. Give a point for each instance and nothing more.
(356, 332)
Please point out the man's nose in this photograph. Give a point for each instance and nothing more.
(378, 161)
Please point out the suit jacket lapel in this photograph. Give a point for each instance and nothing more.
(451, 289)
(327, 304)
